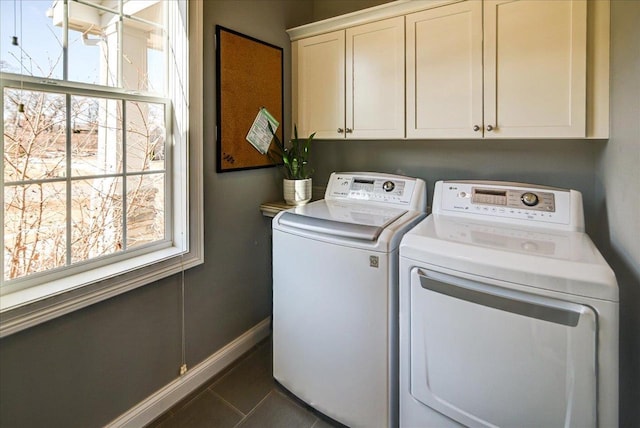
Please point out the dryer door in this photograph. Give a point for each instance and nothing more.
(486, 355)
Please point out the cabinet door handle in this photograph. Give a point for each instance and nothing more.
(476, 128)
(348, 130)
(340, 130)
(489, 128)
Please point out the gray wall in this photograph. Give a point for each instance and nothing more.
(232, 291)
(323, 9)
(87, 368)
(618, 179)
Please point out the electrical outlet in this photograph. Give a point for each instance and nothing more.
(183, 369)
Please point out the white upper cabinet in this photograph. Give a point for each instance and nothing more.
(535, 68)
(444, 72)
(318, 85)
(350, 83)
(375, 80)
(455, 69)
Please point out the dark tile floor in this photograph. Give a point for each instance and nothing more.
(244, 395)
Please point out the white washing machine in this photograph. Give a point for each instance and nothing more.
(508, 312)
(335, 295)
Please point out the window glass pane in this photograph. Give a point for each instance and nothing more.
(96, 136)
(96, 218)
(39, 50)
(144, 55)
(34, 141)
(34, 228)
(156, 70)
(146, 136)
(93, 45)
(145, 209)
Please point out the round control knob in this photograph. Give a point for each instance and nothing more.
(388, 186)
(529, 199)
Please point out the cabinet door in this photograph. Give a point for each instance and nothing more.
(444, 72)
(535, 68)
(375, 80)
(319, 85)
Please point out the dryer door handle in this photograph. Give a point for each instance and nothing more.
(514, 301)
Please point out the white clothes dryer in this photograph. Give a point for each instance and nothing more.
(335, 296)
(508, 312)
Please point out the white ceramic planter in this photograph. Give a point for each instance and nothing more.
(296, 192)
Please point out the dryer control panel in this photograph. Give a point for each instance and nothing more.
(388, 189)
(513, 198)
(510, 202)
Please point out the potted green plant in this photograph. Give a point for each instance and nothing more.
(297, 170)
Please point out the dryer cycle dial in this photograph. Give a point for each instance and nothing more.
(529, 199)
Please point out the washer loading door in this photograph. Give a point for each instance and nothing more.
(487, 356)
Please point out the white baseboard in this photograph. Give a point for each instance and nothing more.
(162, 400)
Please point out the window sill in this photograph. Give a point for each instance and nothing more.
(27, 308)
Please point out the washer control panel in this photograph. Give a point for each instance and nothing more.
(507, 201)
(373, 187)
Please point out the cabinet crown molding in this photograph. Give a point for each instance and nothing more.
(376, 13)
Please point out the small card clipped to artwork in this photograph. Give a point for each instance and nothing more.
(259, 135)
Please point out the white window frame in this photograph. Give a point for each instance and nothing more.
(31, 306)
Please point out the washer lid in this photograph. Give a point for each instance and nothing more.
(348, 220)
(566, 262)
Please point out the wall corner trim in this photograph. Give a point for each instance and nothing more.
(163, 399)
